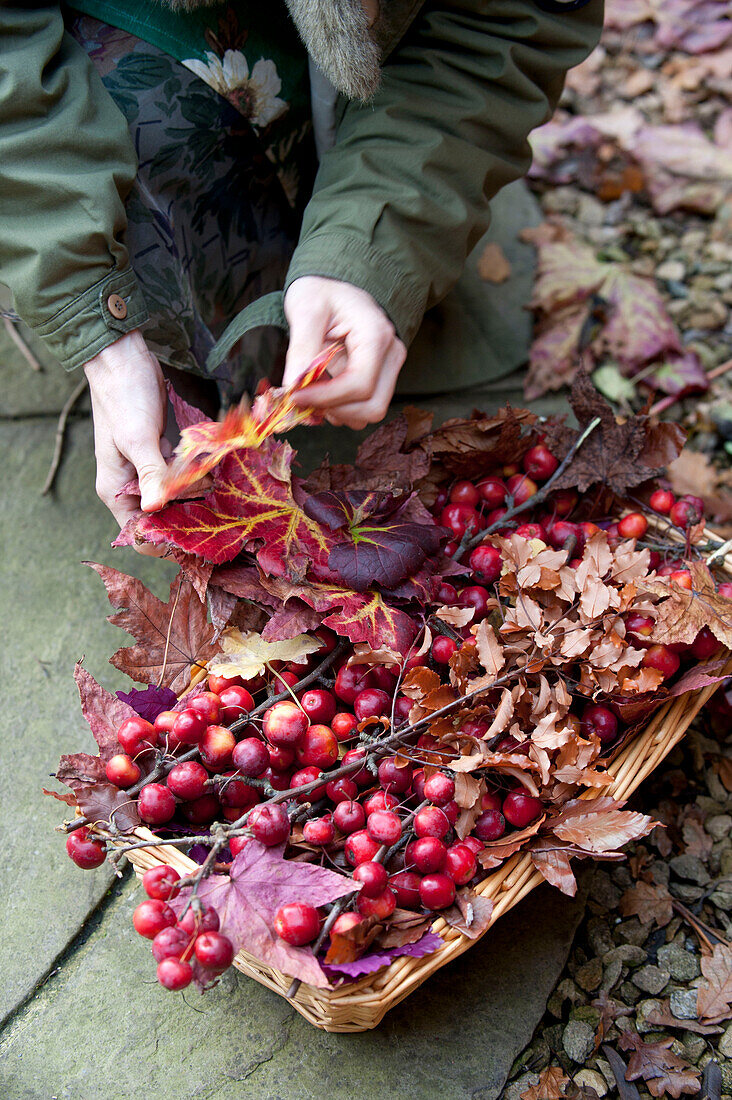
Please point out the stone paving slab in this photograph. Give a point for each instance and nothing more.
(101, 1028)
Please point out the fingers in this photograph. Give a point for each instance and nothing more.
(145, 455)
(357, 414)
(308, 327)
(367, 353)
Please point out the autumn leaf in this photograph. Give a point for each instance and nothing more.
(150, 702)
(386, 460)
(553, 862)
(466, 448)
(78, 768)
(104, 712)
(682, 613)
(470, 913)
(249, 655)
(648, 902)
(104, 803)
(714, 999)
(664, 1073)
(246, 900)
(172, 637)
(550, 1085)
(599, 825)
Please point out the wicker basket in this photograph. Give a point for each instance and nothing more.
(361, 1005)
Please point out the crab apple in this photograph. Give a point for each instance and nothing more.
(235, 793)
(214, 951)
(663, 658)
(161, 882)
(442, 649)
(439, 788)
(384, 826)
(284, 680)
(491, 825)
(319, 830)
(217, 684)
(319, 705)
(475, 595)
(174, 974)
(632, 526)
(531, 531)
(344, 725)
(360, 848)
(402, 708)
(431, 821)
(352, 679)
(208, 705)
(151, 916)
(195, 921)
(562, 531)
(122, 770)
(494, 518)
(201, 811)
(318, 746)
(85, 852)
(344, 923)
(302, 778)
(392, 778)
(188, 780)
(361, 777)
(373, 879)
(639, 627)
(155, 804)
(250, 757)
(328, 641)
(384, 678)
(687, 511)
(446, 594)
(297, 923)
(682, 577)
(540, 463)
(521, 488)
(521, 809)
(460, 864)
(563, 501)
(270, 825)
(136, 734)
(237, 844)
(451, 810)
(493, 491)
(380, 800)
(459, 518)
(725, 589)
(426, 854)
(464, 492)
(285, 724)
(473, 844)
(380, 907)
(491, 800)
(235, 703)
(163, 723)
(662, 500)
(189, 727)
(405, 885)
(280, 757)
(216, 747)
(437, 891)
(341, 790)
(371, 703)
(349, 817)
(705, 645)
(170, 943)
(599, 721)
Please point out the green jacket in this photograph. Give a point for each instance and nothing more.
(399, 201)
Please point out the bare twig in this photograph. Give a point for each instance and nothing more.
(61, 432)
(21, 345)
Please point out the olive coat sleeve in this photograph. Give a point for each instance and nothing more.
(66, 165)
(403, 196)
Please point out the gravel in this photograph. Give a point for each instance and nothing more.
(578, 1040)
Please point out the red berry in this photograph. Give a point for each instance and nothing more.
(446, 594)
(361, 776)
(341, 790)
(473, 844)
(380, 800)
(402, 708)
(319, 830)
(431, 821)
(725, 589)
(563, 501)
(135, 735)
(458, 518)
(83, 850)
(344, 923)
(189, 727)
(161, 882)
(443, 649)
(687, 512)
(494, 518)
(372, 702)
(474, 596)
(151, 916)
(493, 491)
(285, 724)
(682, 577)
(235, 792)
(318, 746)
(280, 758)
(599, 721)
(217, 684)
(540, 463)
(373, 879)
(214, 951)
(188, 780)
(491, 800)
(174, 974)
(381, 907)
(349, 817)
(360, 848)
(662, 658)
(451, 810)
(705, 645)
(170, 943)
(319, 705)
(155, 804)
(405, 885)
(344, 725)
(521, 488)
(460, 864)
(270, 824)
(639, 628)
(283, 680)
(491, 825)
(633, 526)
(194, 922)
(250, 757)
(201, 811)
(562, 531)
(350, 680)
(464, 492)
(521, 809)
(235, 703)
(392, 778)
(122, 770)
(662, 500)
(385, 678)
(384, 827)
(208, 705)
(303, 778)
(216, 748)
(163, 725)
(297, 923)
(531, 531)
(426, 854)
(439, 789)
(238, 844)
(437, 891)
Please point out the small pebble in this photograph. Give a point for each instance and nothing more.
(671, 269)
(644, 1009)
(690, 868)
(651, 979)
(725, 1043)
(683, 1004)
(682, 965)
(591, 1079)
(589, 976)
(578, 1040)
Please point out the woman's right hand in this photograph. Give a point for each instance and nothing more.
(128, 405)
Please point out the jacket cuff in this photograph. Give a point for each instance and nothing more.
(353, 260)
(95, 319)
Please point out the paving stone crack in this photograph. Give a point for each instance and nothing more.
(277, 1047)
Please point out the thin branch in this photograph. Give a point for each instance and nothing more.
(21, 345)
(60, 434)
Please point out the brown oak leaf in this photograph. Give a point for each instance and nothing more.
(550, 1085)
(714, 1000)
(104, 712)
(664, 1073)
(682, 612)
(648, 902)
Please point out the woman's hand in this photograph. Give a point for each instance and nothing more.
(321, 310)
(128, 405)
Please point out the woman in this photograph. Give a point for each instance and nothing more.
(156, 165)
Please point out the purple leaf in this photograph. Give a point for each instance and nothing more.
(149, 703)
(367, 964)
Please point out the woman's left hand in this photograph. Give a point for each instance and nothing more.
(321, 310)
